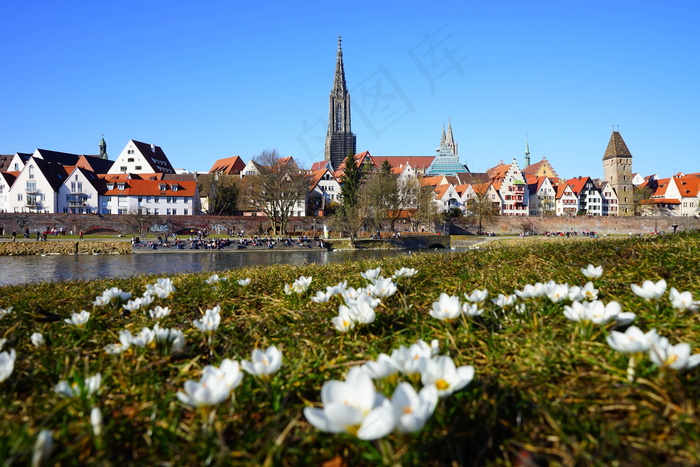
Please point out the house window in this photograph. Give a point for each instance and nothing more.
(131, 159)
(186, 212)
(156, 199)
(163, 187)
(155, 211)
(138, 167)
(173, 187)
(120, 186)
(31, 187)
(123, 168)
(110, 186)
(174, 212)
(186, 200)
(19, 197)
(130, 151)
(31, 171)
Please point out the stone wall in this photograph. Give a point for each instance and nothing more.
(154, 225)
(600, 225)
(62, 247)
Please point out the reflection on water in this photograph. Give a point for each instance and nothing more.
(16, 270)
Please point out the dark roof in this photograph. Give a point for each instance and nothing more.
(62, 158)
(98, 165)
(616, 147)
(54, 172)
(5, 160)
(155, 157)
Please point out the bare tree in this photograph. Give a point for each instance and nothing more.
(481, 207)
(278, 189)
(388, 197)
(222, 193)
(425, 209)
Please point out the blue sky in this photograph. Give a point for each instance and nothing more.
(207, 80)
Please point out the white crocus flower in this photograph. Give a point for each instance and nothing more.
(263, 364)
(213, 279)
(352, 406)
(596, 312)
(413, 409)
(214, 386)
(404, 272)
(360, 311)
(408, 358)
(477, 296)
(320, 297)
(649, 290)
(504, 301)
(589, 291)
(371, 274)
(382, 288)
(78, 319)
(444, 375)
(383, 367)
(38, 339)
(633, 340)
(683, 301)
(169, 339)
(125, 341)
(558, 293)
(447, 308)
(337, 289)
(472, 309)
(244, 282)
(91, 385)
(301, 284)
(592, 272)
(163, 288)
(159, 312)
(676, 357)
(145, 338)
(7, 364)
(343, 322)
(5, 311)
(96, 421)
(42, 448)
(210, 321)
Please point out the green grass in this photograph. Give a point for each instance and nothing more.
(541, 390)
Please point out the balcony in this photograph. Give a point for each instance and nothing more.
(76, 200)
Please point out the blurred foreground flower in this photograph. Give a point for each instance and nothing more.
(264, 364)
(210, 321)
(413, 409)
(214, 386)
(352, 406)
(7, 364)
(244, 282)
(5, 311)
(38, 340)
(78, 319)
(80, 388)
(404, 272)
(447, 308)
(42, 448)
(96, 421)
(299, 285)
(592, 272)
(676, 357)
(650, 290)
(683, 301)
(444, 375)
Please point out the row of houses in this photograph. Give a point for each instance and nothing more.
(141, 179)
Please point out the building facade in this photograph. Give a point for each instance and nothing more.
(617, 170)
(340, 140)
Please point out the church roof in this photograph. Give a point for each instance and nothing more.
(616, 147)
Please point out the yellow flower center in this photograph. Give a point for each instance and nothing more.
(441, 384)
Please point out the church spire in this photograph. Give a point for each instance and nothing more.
(340, 141)
(527, 153)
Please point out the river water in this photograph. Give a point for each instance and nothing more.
(16, 270)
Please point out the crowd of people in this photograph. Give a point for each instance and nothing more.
(201, 241)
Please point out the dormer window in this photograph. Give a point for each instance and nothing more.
(110, 186)
(163, 187)
(120, 186)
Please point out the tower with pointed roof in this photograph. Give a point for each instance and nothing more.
(340, 140)
(103, 148)
(617, 170)
(527, 153)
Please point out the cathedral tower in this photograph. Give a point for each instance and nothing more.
(617, 170)
(340, 140)
(103, 148)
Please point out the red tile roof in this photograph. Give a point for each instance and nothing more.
(151, 188)
(229, 166)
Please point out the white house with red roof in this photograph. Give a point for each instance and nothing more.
(157, 197)
(35, 188)
(566, 200)
(609, 199)
(324, 190)
(542, 196)
(590, 200)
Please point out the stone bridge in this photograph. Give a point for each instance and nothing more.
(415, 242)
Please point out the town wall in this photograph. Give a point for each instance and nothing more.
(54, 247)
(127, 224)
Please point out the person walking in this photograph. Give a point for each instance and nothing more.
(81, 234)
(14, 235)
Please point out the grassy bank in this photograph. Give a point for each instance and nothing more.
(545, 389)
